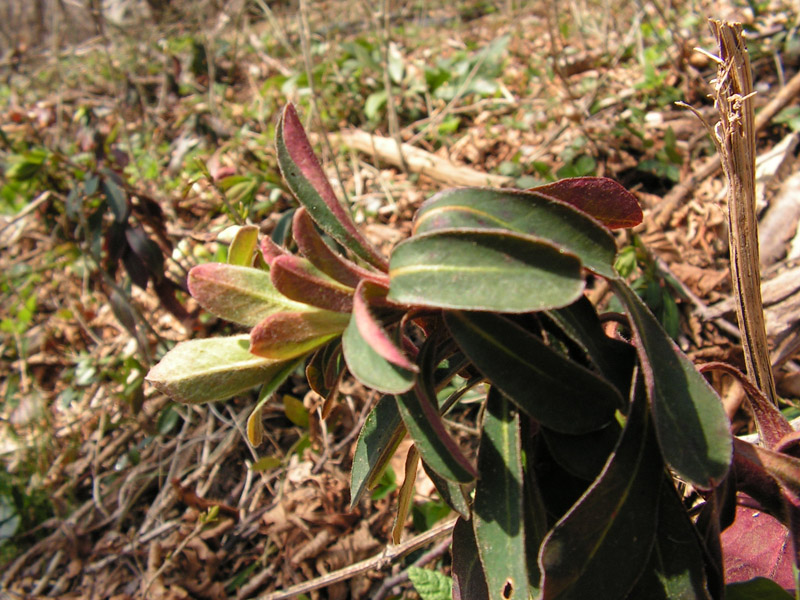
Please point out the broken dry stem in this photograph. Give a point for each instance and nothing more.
(735, 139)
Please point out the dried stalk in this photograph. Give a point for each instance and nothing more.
(735, 139)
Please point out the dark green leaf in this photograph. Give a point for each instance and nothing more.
(497, 512)
(469, 582)
(548, 386)
(116, 197)
(613, 523)
(676, 570)
(147, 250)
(524, 213)
(451, 492)
(420, 413)
(483, 270)
(759, 588)
(382, 432)
(692, 428)
(431, 585)
(583, 455)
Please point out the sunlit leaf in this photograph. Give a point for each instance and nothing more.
(322, 255)
(242, 295)
(476, 270)
(498, 508)
(524, 213)
(297, 279)
(286, 335)
(602, 198)
(305, 177)
(212, 369)
(243, 246)
(552, 389)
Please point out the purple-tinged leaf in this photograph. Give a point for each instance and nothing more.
(600, 197)
(242, 295)
(758, 545)
(551, 388)
(308, 182)
(420, 413)
(243, 246)
(524, 213)
(135, 267)
(692, 428)
(372, 331)
(212, 369)
(612, 524)
(785, 469)
(299, 280)
(322, 256)
(270, 250)
(771, 424)
(287, 335)
(483, 270)
(469, 580)
(498, 508)
(115, 196)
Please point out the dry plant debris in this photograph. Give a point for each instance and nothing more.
(124, 495)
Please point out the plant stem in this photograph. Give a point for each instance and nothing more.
(735, 138)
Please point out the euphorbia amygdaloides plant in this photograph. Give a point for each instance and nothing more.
(585, 438)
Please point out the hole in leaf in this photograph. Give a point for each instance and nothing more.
(508, 589)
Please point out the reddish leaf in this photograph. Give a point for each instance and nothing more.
(757, 545)
(308, 182)
(289, 334)
(372, 331)
(271, 250)
(324, 258)
(602, 198)
(296, 279)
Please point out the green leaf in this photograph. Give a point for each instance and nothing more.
(308, 182)
(286, 335)
(431, 585)
(583, 455)
(692, 428)
(469, 582)
(370, 368)
(524, 213)
(612, 524)
(243, 246)
(295, 411)
(476, 270)
(547, 385)
(676, 570)
(602, 198)
(242, 295)
(212, 369)
(420, 413)
(381, 434)
(255, 426)
(116, 197)
(497, 513)
(451, 492)
(758, 588)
